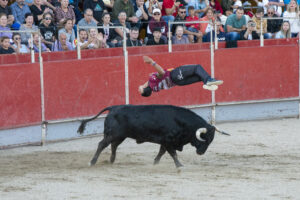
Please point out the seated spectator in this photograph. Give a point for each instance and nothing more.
(179, 38)
(235, 23)
(95, 41)
(87, 20)
(48, 30)
(98, 7)
(285, 31)
(141, 11)
(108, 34)
(169, 10)
(4, 8)
(273, 25)
(65, 11)
(125, 6)
(250, 32)
(156, 39)
(68, 30)
(257, 19)
(220, 33)
(121, 22)
(207, 27)
(35, 44)
(157, 21)
(216, 6)
(83, 37)
(17, 45)
(133, 41)
(19, 9)
(192, 17)
(38, 9)
(181, 17)
(62, 44)
(3, 26)
(5, 46)
(292, 15)
(200, 6)
(151, 5)
(28, 26)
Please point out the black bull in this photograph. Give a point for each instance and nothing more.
(170, 126)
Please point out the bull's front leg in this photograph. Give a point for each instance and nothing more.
(173, 154)
(161, 152)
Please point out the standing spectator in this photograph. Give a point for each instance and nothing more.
(179, 38)
(216, 6)
(19, 9)
(273, 25)
(28, 26)
(35, 44)
(87, 20)
(292, 12)
(151, 5)
(17, 45)
(156, 39)
(235, 23)
(64, 12)
(122, 22)
(258, 20)
(285, 31)
(133, 41)
(97, 7)
(5, 46)
(83, 37)
(48, 30)
(38, 9)
(220, 33)
(62, 44)
(127, 7)
(157, 21)
(7, 10)
(95, 41)
(250, 33)
(68, 30)
(108, 34)
(200, 6)
(169, 10)
(3, 26)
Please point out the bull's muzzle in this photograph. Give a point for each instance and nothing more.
(199, 132)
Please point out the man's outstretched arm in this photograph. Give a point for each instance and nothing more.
(158, 68)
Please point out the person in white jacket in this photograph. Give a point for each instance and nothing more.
(292, 15)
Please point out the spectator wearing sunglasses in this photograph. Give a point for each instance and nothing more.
(17, 45)
(157, 21)
(273, 25)
(38, 9)
(48, 30)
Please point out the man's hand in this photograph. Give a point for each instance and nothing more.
(148, 60)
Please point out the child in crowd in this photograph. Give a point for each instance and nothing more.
(5, 46)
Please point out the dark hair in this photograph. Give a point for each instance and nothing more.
(48, 13)
(240, 8)
(14, 34)
(134, 28)
(157, 29)
(28, 15)
(182, 7)
(191, 8)
(80, 30)
(147, 92)
(5, 38)
(104, 13)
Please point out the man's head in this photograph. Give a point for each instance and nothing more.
(122, 17)
(134, 33)
(16, 38)
(271, 11)
(182, 12)
(139, 3)
(191, 10)
(106, 18)
(63, 38)
(145, 91)
(259, 13)
(88, 15)
(20, 2)
(83, 35)
(157, 33)
(156, 14)
(5, 42)
(239, 12)
(3, 3)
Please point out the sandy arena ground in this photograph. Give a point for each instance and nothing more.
(261, 160)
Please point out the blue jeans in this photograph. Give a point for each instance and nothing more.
(168, 18)
(231, 36)
(267, 35)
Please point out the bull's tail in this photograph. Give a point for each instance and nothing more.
(222, 132)
(84, 122)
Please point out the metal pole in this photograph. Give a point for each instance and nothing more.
(78, 46)
(44, 127)
(299, 72)
(261, 35)
(31, 49)
(169, 40)
(213, 100)
(126, 67)
(216, 37)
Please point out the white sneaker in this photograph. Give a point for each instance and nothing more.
(210, 87)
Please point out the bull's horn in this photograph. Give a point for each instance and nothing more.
(199, 132)
(222, 132)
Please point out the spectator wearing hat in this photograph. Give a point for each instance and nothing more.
(156, 39)
(157, 22)
(261, 24)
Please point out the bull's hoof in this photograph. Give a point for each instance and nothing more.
(155, 162)
(93, 162)
(179, 165)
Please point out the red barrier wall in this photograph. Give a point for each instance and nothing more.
(20, 96)
(83, 87)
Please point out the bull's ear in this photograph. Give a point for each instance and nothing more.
(199, 132)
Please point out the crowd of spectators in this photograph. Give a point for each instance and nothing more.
(144, 22)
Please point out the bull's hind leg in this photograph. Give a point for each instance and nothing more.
(173, 154)
(161, 152)
(114, 146)
(102, 145)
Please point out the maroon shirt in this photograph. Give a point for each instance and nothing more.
(164, 83)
